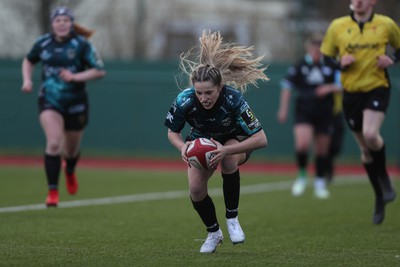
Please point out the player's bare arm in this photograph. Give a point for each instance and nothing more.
(87, 75)
(177, 141)
(346, 61)
(256, 141)
(325, 89)
(384, 62)
(27, 70)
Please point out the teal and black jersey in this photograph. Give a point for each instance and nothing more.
(230, 117)
(75, 54)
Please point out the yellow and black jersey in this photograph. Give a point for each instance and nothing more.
(365, 41)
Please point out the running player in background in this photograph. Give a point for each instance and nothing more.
(315, 85)
(360, 41)
(68, 61)
(219, 112)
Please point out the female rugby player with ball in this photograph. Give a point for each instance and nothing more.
(217, 111)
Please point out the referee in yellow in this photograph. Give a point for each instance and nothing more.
(358, 43)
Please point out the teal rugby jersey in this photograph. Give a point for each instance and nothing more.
(75, 54)
(230, 117)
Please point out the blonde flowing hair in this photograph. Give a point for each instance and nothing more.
(223, 63)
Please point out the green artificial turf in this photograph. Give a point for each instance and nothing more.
(164, 230)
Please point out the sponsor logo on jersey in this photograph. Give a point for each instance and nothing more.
(71, 53)
(250, 119)
(226, 122)
(352, 48)
(170, 117)
(76, 109)
(185, 101)
(315, 76)
(45, 55)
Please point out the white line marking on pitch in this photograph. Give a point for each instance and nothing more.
(246, 189)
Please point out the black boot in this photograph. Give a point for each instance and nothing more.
(379, 211)
(389, 194)
(379, 161)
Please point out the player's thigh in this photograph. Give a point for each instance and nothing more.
(372, 121)
(52, 123)
(303, 135)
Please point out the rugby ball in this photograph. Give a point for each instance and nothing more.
(199, 153)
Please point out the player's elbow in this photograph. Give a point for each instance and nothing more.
(262, 139)
(101, 74)
(264, 142)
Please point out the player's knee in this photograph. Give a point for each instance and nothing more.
(229, 164)
(371, 138)
(53, 147)
(302, 147)
(197, 194)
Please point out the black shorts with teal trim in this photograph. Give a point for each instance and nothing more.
(75, 114)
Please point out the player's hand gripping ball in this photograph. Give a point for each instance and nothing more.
(199, 153)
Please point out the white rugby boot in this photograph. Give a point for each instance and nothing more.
(320, 190)
(212, 242)
(299, 186)
(236, 233)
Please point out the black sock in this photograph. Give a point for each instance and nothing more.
(231, 189)
(71, 164)
(52, 165)
(301, 159)
(320, 165)
(373, 178)
(379, 159)
(329, 167)
(206, 209)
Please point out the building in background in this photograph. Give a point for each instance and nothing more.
(159, 29)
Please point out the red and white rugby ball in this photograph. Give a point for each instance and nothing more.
(199, 153)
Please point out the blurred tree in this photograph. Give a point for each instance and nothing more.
(138, 46)
(44, 11)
